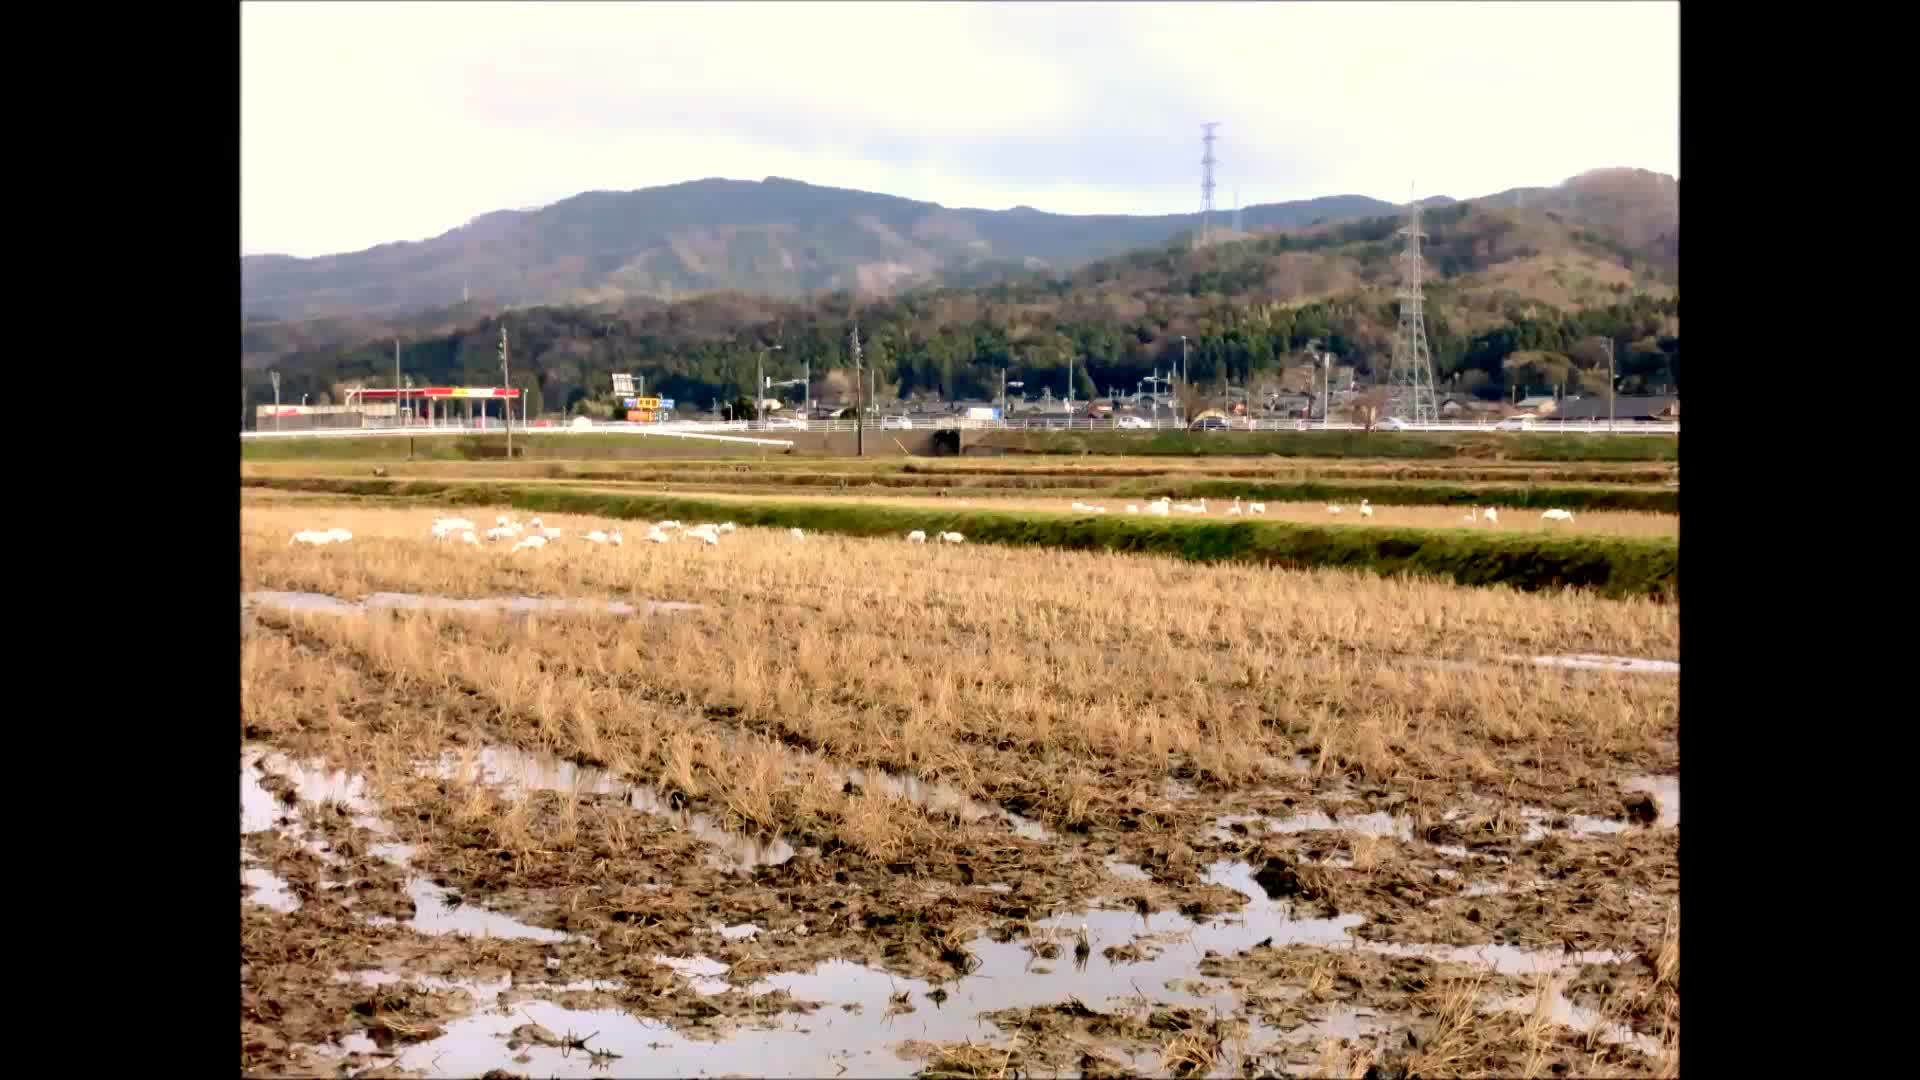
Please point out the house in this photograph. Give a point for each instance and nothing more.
(1654, 407)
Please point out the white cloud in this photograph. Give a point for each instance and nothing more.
(365, 123)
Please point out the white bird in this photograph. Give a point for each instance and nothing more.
(708, 538)
(952, 538)
(597, 536)
(704, 530)
(544, 531)
(467, 537)
(796, 534)
(1080, 507)
(916, 537)
(339, 536)
(1472, 516)
(1557, 514)
(655, 536)
(1365, 510)
(1099, 509)
(614, 538)
(1234, 510)
(447, 526)
(536, 541)
(1257, 508)
(1157, 508)
(501, 520)
(728, 526)
(1493, 515)
(1333, 508)
(1132, 509)
(316, 537)
(669, 525)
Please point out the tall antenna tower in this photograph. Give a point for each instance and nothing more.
(1206, 181)
(1410, 379)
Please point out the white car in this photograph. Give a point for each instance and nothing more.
(895, 423)
(1514, 423)
(787, 423)
(1133, 422)
(1393, 423)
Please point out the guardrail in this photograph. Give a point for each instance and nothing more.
(714, 428)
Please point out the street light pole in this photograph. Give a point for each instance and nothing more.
(396, 379)
(760, 384)
(275, 376)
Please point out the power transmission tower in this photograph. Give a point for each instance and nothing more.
(859, 409)
(1410, 379)
(1206, 181)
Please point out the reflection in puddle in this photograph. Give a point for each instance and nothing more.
(269, 890)
(540, 772)
(1400, 828)
(322, 604)
(1562, 1011)
(434, 914)
(1127, 871)
(941, 798)
(1502, 959)
(260, 810)
(1666, 796)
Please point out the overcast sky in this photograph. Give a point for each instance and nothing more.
(363, 123)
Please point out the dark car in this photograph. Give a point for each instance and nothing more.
(1211, 423)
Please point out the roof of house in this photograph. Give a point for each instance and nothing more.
(1624, 407)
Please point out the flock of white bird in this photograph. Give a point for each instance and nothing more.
(536, 534)
(1164, 506)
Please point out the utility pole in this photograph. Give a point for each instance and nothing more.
(1069, 389)
(275, 376)
(806, 392)
(397, 402)
(859, 410)
(1183, 381)
(506, 379)
(1609, 384)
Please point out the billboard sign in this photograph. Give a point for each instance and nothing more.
(623, 385)
(666, 403)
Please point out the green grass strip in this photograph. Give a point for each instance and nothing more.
(1611, 566)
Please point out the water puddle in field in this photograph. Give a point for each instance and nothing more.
(1666, 797)
(1375, 824)
(1562, 1011)
(269, 889)
(541, 772)
(435, 910)
(865, 1013)
(1598, 662)
(942, 799)
(261, 810)
(323, 604)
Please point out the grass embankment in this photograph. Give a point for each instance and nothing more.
(1511, 446)
(1380, 488)
(1611, 566)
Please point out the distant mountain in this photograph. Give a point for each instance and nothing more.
(637, 251)
(776, 237)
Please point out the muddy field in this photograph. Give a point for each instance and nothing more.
(819, 806)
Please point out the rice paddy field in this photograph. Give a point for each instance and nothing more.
(818, 805)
